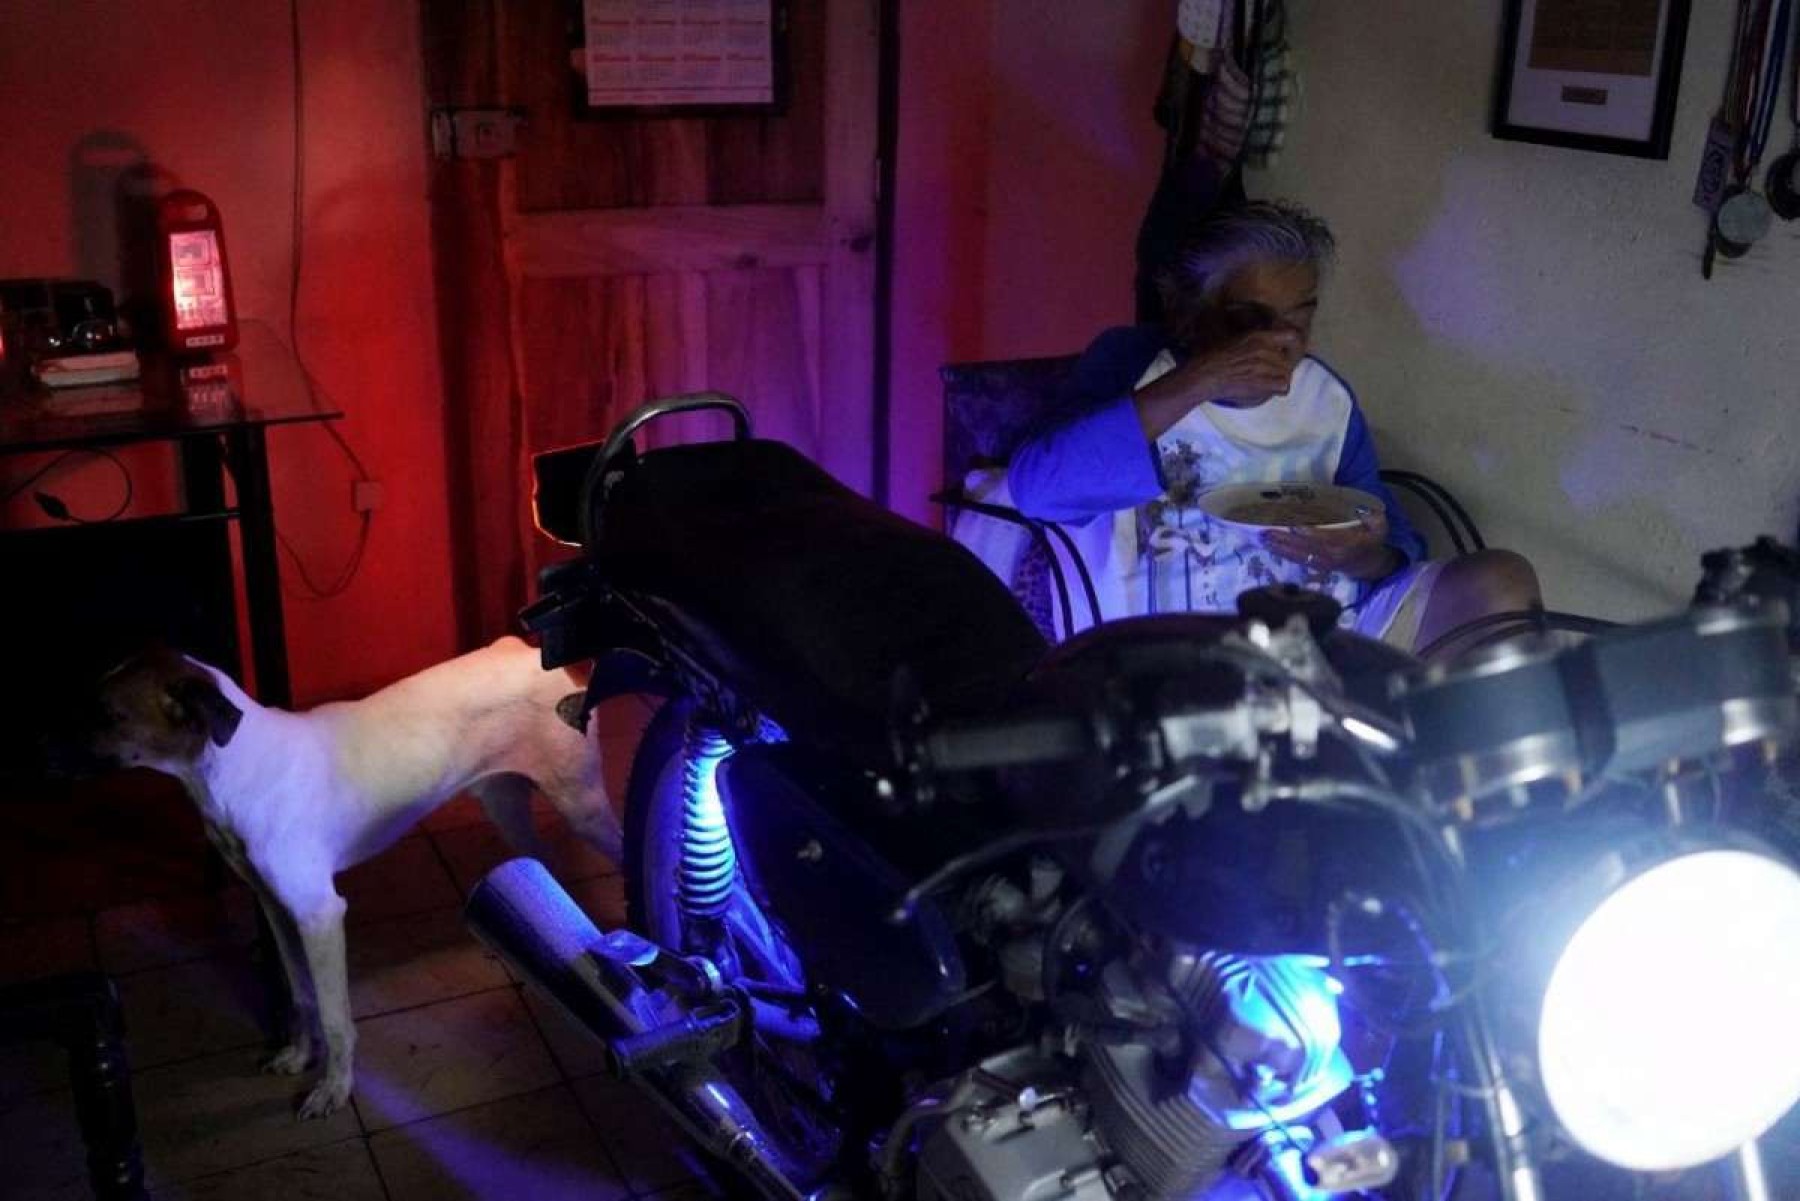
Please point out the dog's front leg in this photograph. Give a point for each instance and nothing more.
(296, 1052)
(303, 1014)
(321, 926)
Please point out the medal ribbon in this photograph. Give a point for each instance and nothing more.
(1774, 50)
(1794, 86)
(1756, 79)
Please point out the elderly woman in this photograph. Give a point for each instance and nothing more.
(1225, 393)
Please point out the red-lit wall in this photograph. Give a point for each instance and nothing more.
(1027, 155)
(204, 89)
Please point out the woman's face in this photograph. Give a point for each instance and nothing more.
(1260, 296)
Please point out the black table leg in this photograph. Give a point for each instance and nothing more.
(249, 451)
(82, 1013)
(203, 491)
(262, 568)
(202, 461)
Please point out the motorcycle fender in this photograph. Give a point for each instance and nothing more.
(833, 893)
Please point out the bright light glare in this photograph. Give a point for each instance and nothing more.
(1670, 1032)
(1359, 729)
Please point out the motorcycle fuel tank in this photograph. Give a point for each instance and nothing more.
(833, 892)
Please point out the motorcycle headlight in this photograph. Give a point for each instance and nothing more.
(1669, 1031)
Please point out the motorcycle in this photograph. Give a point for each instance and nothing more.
(1206, 906)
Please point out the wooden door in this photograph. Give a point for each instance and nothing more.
(617, 259)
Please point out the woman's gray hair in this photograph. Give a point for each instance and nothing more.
(1262, 231)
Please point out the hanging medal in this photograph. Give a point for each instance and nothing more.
(1744, 214)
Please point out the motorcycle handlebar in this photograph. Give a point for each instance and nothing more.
(1023, 740)
(1212, 726)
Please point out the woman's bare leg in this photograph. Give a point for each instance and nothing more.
(1474, 586)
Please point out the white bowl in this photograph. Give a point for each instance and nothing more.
(1239, 504)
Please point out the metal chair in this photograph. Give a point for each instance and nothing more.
(989, 408)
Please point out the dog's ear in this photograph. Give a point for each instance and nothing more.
(573, 711)
(200, 700)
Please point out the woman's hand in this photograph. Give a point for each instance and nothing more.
(1245, 371)
(1360, 551)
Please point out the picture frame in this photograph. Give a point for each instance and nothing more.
(1600, 75)
(592, 100)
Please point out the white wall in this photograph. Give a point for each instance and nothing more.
(1528, 323)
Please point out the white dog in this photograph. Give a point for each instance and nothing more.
(291, 799)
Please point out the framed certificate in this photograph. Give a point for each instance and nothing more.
(1591, 74)
(679, 57)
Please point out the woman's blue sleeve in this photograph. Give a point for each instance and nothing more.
(1091, 456)
(1358, 468)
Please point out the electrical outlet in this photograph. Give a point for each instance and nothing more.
(365, 495)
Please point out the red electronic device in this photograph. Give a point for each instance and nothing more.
(196, 285)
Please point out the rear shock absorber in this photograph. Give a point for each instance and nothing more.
(708, 871)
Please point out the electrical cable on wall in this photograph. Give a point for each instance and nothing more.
(310, 589)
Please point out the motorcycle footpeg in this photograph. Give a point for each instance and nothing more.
(694, 1038)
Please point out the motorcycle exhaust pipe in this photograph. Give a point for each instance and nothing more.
(524, 915)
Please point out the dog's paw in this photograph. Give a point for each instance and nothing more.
(325, 1099)
(291, 1060)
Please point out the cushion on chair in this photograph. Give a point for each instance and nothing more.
(989, 408)
(1017, 554)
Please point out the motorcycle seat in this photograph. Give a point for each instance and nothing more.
(805, 596)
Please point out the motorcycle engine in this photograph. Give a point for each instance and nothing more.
(1159, 1115)
(1261, 1050)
